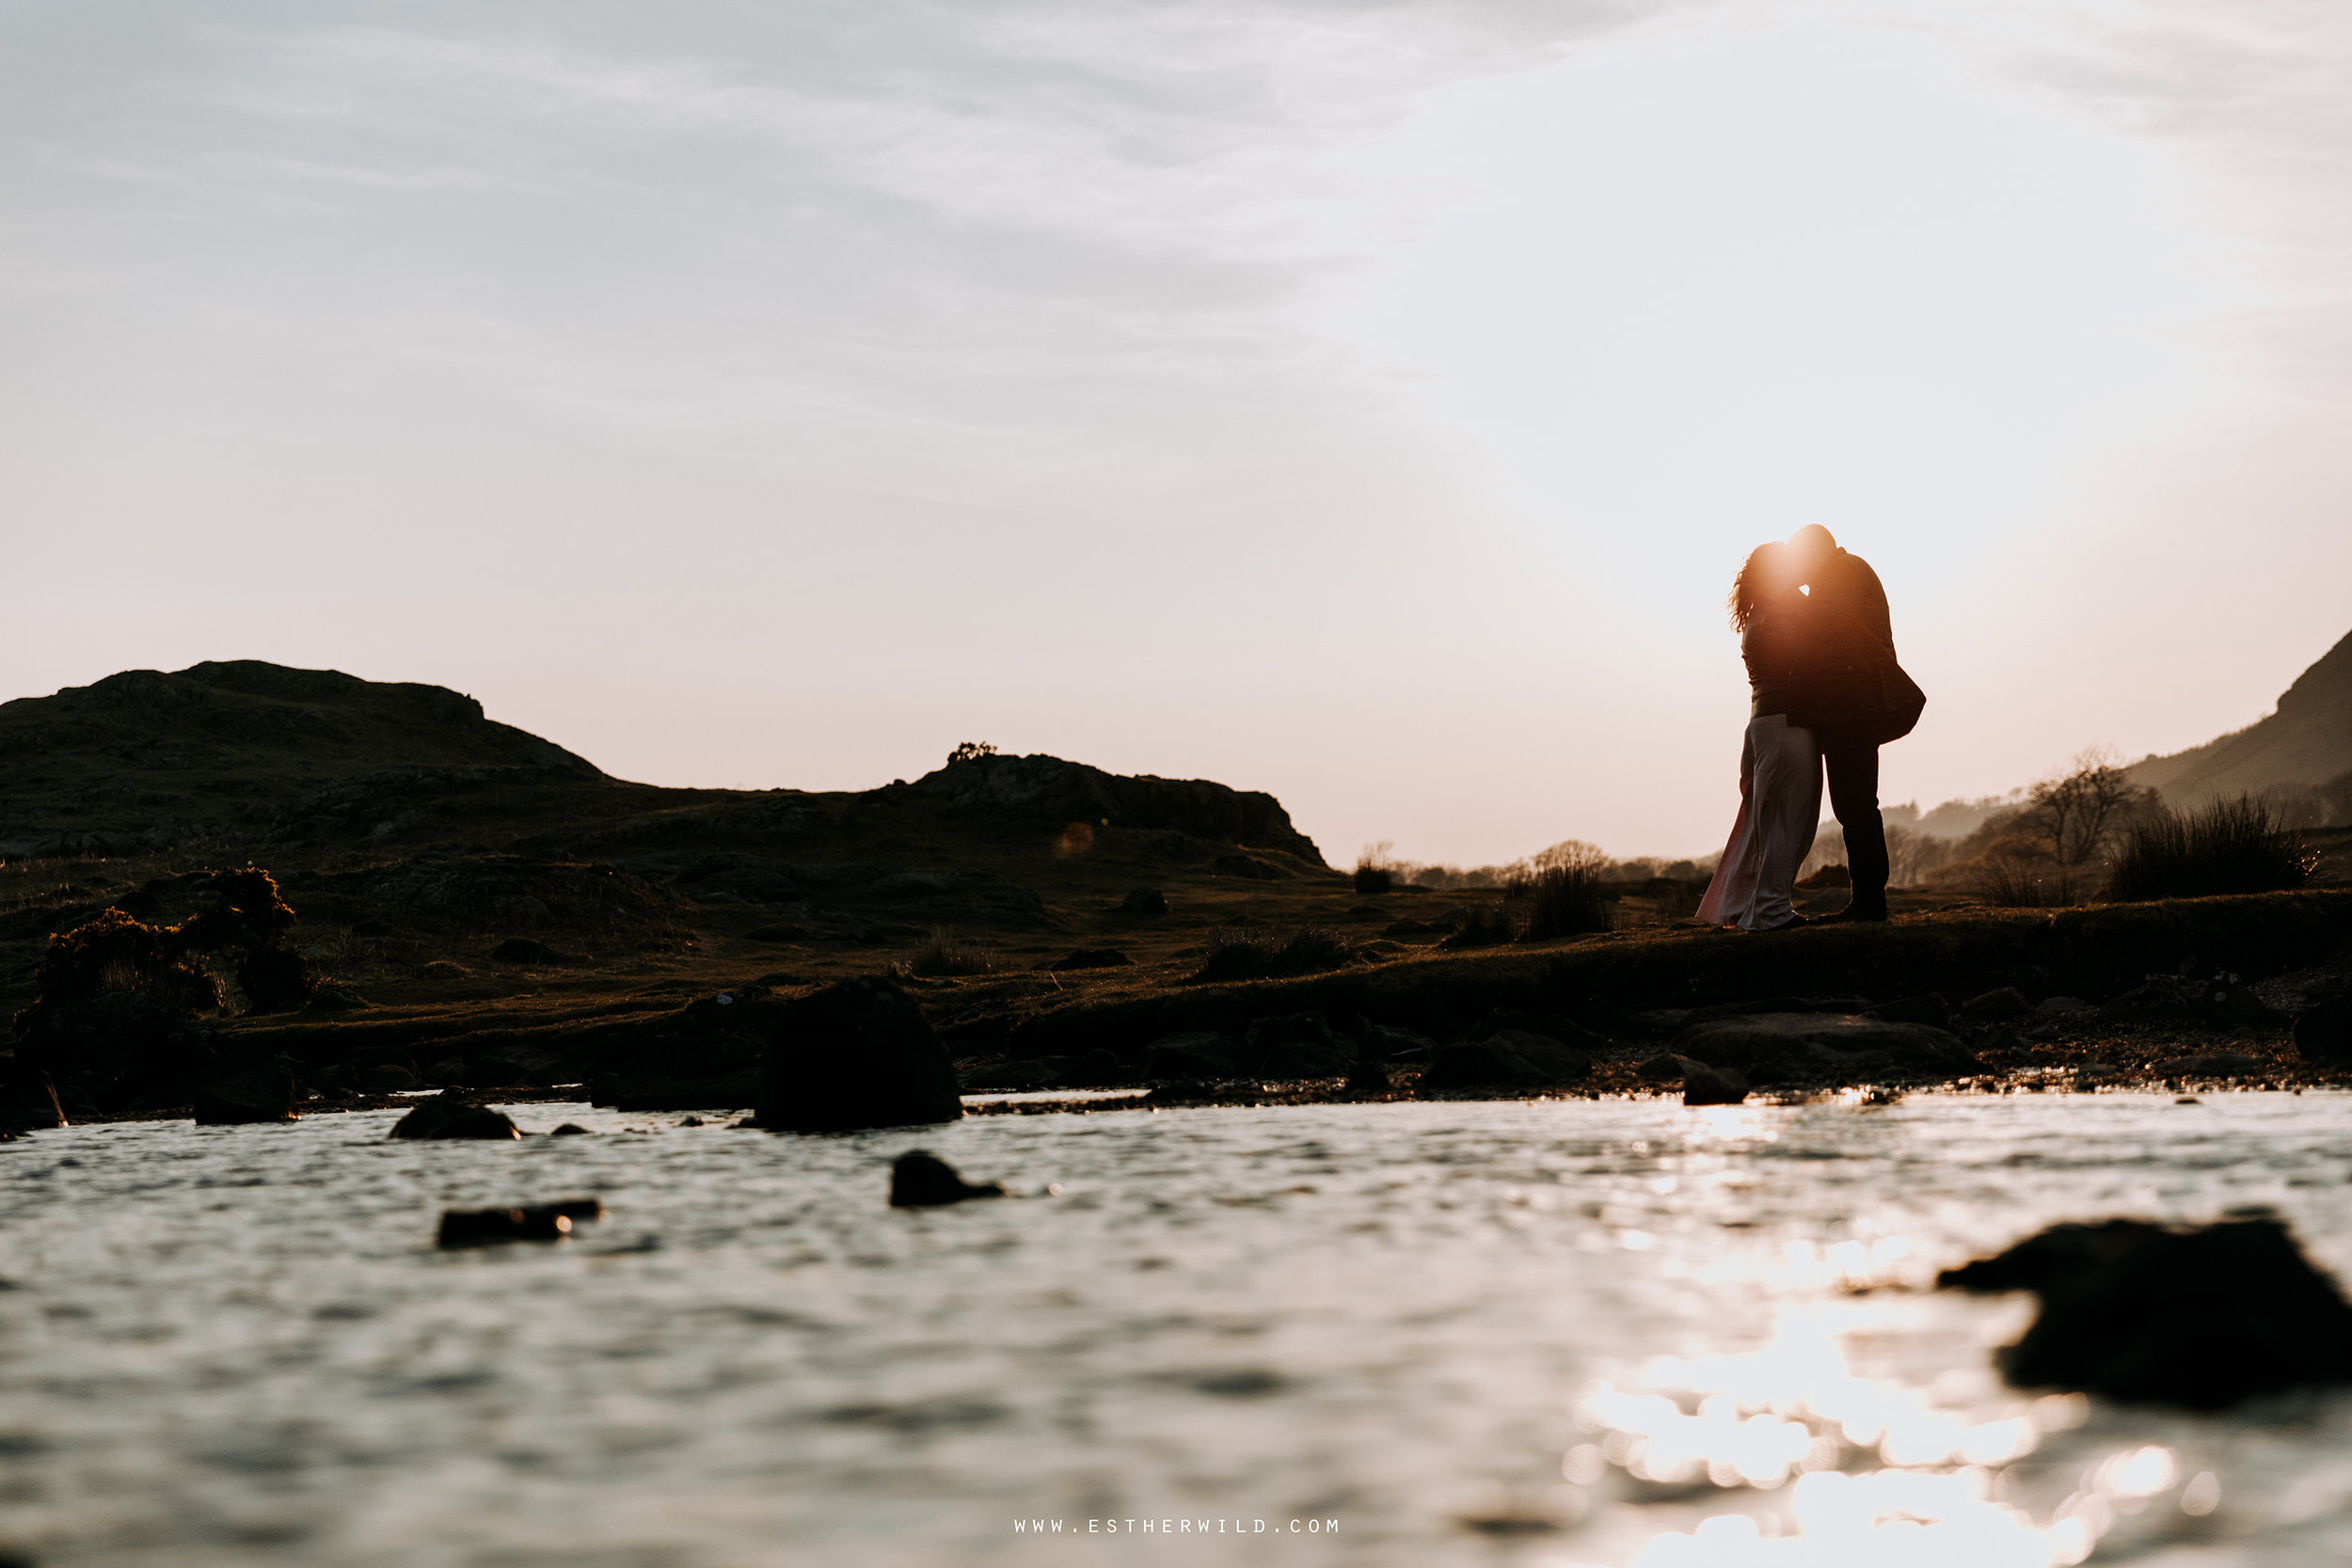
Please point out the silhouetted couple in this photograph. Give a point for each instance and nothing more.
(1825, 692)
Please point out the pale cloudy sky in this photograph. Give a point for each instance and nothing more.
(1366, 402)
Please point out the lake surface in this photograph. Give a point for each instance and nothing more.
(1564, 1333)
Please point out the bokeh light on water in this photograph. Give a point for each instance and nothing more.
(1566, 1335)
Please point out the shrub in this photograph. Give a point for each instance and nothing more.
(243, 920)
(1479, 926)
(1561, 901)
(2228, 846)
(119, 951)
(1249, 953)
(1373, 881)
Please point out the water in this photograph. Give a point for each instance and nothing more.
(1562, 1334)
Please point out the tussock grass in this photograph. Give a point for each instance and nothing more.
(945, 953)
(1560, 901)
(2228, 846)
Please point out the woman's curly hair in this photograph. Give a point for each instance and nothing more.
(1763, 564)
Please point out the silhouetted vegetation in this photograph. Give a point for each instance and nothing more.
(1479, 925)
(2228, 846)
(1373, 881)
(1564, 899)
(970, 751)
(1249, 953)
(242, 922)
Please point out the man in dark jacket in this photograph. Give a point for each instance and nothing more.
(1853, 700)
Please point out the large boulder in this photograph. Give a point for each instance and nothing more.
(857, 1053)
(125, 1050)
(2202, 1317)
(29, 1098)
(265, 1096)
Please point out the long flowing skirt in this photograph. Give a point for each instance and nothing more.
(1780, 808)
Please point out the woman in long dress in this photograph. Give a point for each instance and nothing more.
(1780, 765)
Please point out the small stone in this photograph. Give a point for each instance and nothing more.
(1145, 900)
(1367, 1077)
(538, 1222)
(920, 1179)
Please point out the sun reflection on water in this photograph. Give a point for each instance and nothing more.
(1866, 1472)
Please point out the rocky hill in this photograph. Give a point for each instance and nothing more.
(146, 759)
(1053, 790)
(2305, 745)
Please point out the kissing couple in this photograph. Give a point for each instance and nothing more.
(1825, 692)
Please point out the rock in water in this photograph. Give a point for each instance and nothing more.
(248, 1097)
(1710, 1085)
(2197, 1316)
(538, 1222)
(920, 1179)
(480, 1121)
(857, 1053)
(450, 1114)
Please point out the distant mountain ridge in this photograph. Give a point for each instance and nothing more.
(2304, 744)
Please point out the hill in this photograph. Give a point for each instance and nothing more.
(145, 760)
(2305, 745)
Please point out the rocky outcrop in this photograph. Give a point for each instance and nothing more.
(2306, 741)
(857, 1053)
(2202, 1317)
(1050, 789)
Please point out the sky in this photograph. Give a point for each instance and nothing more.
(1365, 400)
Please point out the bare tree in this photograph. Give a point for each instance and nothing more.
(2076, 812)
